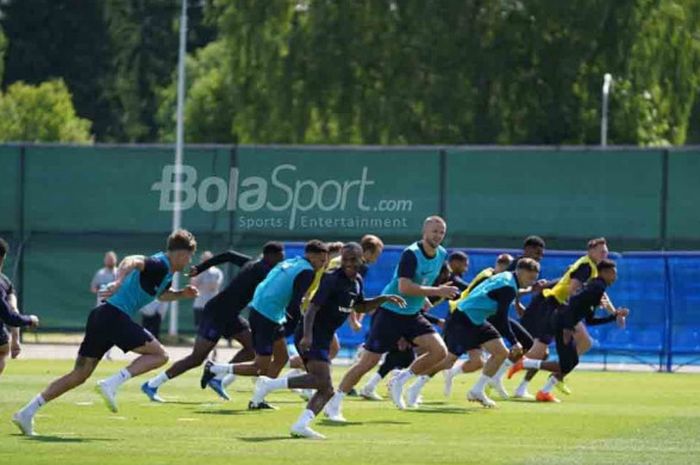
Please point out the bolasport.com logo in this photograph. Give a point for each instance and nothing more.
(285, 200)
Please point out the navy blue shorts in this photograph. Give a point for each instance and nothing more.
(265, 332)
(538, 316)
(388, 327)
(213, 327)
(320, 346)
(107, 326)
(463, 335)
(4, 335)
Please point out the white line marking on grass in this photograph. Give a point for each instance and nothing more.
(188, 419)
(84, 403)
(112, 417)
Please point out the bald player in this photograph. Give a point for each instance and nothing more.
(418, 268)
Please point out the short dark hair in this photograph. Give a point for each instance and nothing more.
(4, 247)
(606, 264)
(593, 243)
(459, 256)
(352, 246)
(533, 241)
(528, 264)
(272, 248)
(315, 246)
(182, 239)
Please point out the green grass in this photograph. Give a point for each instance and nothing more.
(615, 418)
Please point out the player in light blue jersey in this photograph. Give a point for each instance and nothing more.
(419, 265)
(278, 296)
(140, 280)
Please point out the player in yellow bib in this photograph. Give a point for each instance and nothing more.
(541, 310)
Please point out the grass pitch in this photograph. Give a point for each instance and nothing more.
(612, 418)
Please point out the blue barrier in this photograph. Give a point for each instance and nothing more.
(662, 290)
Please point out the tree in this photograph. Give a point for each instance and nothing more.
(42, 113)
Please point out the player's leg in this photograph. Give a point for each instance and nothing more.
(498, 354)
(201, 349)
(396, 359)
(4, 347)
(83, 368)
(241, 333)
(418, 330)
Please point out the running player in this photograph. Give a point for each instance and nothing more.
(140, 280)
(221, 316)
(9, 314)
(474, 363)
(539, 313)
(418, 268)
(402, 355)
(277, 296)
(340, 292)
(568, 317)
(469, 329)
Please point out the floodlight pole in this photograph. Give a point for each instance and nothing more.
(179, 141)
(607, 84)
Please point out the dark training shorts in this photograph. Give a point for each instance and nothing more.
(537, 319)
(388, 327)
(463, 335)
(107, 326)
(212, 328)
(265, 332)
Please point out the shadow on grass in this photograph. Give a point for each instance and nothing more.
(445, 409)
(62, 439)
(265, 438)
(220, 412)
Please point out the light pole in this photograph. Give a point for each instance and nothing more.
(607, 85)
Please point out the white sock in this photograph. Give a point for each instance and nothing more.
(221, 368)
(158, 380)
(502, 371)
(530, 364)
(522, 389)
(337, 397)
(420, 382)
(306, 417)
(481, 383)
(404, 375)
(228, 379)
(119, 378)
(374, 380)
(277, 384)
(33, 405)
(456, 368)
(549, 385)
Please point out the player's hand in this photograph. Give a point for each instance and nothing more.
(35, 321)
(516, 351)
(15, 348)
(109, 290)
(396, 300)
(190, 292)
(519, 309)
(403, 344)
(305, 343)
(447, 291)
(538, 286)
(193, 271)
(622, 314)
(441, 323)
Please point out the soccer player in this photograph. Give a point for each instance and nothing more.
(277, 296)
(9, 314)
(581, 307)
(468, 327)
(339, 294)
(539, 313)
(221, 316)
(140, 280)
(418, 268)
(372, 247)
(474, 362)
(402, 355)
